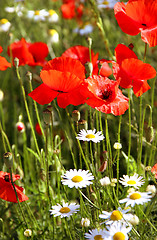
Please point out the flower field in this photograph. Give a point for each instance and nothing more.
(78, 120)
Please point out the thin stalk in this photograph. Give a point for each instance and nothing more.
(147, 219)
(129, 112)
(88, 200)
(118, 151)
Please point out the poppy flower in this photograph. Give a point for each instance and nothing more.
(70, 9)
(4, 64)
(31, 54)
(154, 170)
(106, 96)
(6, 188)
(38, 129)
(129, 71)
(138, 16)
(62, 78)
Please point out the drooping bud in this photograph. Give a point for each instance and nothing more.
(8, 159)
(76, 115)
(149, 131)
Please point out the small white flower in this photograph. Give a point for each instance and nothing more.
(136, 198)
(105, 181)
(1, 95)
(4, 25)
(117, 145)
(118, 231)
(64, 211)
(52, 16)
(38, 15)
(106, 4)
(115, 215)
(90, 135)
(86, 29)
(77, 178)
(134, 220)
(113, 180)
(85, 222)
(132, 181)
(54, 36)
(28, 233)
(95, 234)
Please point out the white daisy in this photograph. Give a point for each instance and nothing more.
(64, 211)
(90, 135)
(117, 231)
(115, 215)
(4, 25)
(52, 16)
(77, 178)
(136, 198)
(38, 15)
(94, 234)
(106, 4)
(117, 145)
(54, 36)
(132, 181)
(86, 29)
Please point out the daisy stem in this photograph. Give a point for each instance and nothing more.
(27, 109)
(17, 198)
(147, 218)
(88, 200)
(119, 129)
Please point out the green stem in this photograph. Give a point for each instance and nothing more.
(147, 218)
(88, 200)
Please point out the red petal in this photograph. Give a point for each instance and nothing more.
(68, 10)
(149, 36)
(4, 64)
(15, 177)
(43, 94)
(140, 87)
(39, 50)
(105, 70)
(127, 24)
(64, 64)
(122, 52)
(60, 81)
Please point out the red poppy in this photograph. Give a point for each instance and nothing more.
(4, 64)
(38, 129)
(6, 188)
(62, 78)
(71, 9)
(138, 16)
(154, 170)
(31, 54)
(130, 71)
(105, 96)
(81, 53)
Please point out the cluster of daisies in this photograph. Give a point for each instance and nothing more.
(119, 222)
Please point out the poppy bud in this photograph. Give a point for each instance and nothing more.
(149, 131)
(47, 116)
(82, 125)
(89, 68)
(20, 127)
(29, 75)
(131, 46)
(16, 61)
(8, 159)
(76, 115)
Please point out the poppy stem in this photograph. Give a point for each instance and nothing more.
(145, 51)
(18, 199)
(88, 200)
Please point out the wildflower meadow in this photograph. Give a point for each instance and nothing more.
(78, 120)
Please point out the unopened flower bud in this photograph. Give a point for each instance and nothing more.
(151, 188)
(131, 46)
(20, 127)
(134, 220)
(8, 159)
(29, 75)
(130, 190)
(105, 181)
(89, 68)
(16, 61)
(82, 125)
(28, 233)
(47, 116)
(85, 222)
(113, 180)
(149, 131)
(1, 95)
(76, 115)
(148, 168)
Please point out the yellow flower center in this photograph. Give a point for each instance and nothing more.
(116, 215)
(119, 236)
(51, 12)
(77, 179)
(3, 20)
(131, 182)
(135, 196)
(37, 12)
(98, 237)
(52, 32)
(90, 136)
(64, 210)
(106, 2)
